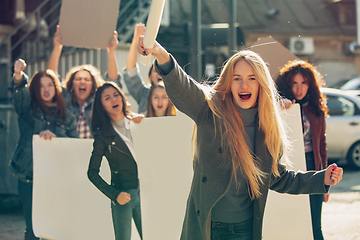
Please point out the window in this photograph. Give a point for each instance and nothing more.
(340, 106)
(353, 84)
(344, 12)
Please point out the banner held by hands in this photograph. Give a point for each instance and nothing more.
(152, 27)
(88, 23)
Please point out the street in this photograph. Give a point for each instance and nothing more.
(341, 215)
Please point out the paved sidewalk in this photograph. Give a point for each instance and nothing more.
(341, 215)
(12, 225)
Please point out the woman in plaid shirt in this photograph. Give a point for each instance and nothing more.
(82, 81)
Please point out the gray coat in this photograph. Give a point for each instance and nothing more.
(212, 171)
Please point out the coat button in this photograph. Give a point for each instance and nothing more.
(48, 123)
(113, 143)
(116, 172)
(204, 179)
(220, 150)
(198, 212)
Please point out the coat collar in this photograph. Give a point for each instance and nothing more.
(110, 137)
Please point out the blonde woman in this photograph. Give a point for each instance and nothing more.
(238, 146)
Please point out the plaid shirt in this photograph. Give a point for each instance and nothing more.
(307, 133)
(82, 127)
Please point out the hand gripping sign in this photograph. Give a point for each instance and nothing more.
(152, 27)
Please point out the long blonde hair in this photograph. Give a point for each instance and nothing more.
(220, 100)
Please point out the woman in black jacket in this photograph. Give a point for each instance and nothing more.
(110, 125)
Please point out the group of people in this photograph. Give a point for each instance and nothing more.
(85, 105)
(240, 136)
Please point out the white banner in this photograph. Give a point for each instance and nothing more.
(288, 216)
(67, 206)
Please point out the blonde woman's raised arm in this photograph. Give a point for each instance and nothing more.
(133, 52)
(161, 55)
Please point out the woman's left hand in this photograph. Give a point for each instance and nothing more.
(136, 118)
(113, 43)
(47, 134)
(333, 174)
(326, 197)
(157, 51)
(286, 103)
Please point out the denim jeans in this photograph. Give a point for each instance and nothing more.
(122, 215)
(232, 231)
(25, 194)
(316, 201)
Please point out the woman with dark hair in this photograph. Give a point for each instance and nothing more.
(240, 141)
(300, 82)
(41, 110)
(158, 103)
(134, 83)
(110, 125)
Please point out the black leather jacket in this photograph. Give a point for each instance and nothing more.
(124, 172)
